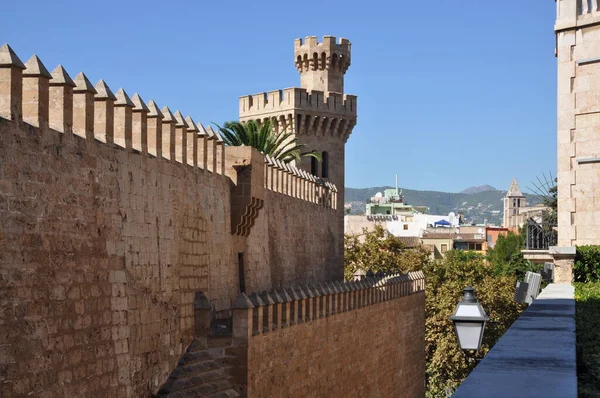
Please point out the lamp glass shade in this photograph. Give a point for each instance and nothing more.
(469, 334)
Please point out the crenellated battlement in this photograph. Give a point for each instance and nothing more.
(29, 94)
(312, 55)
(303, 112)
(289, 180)
(269, 312)
(296, 99)
(322, 65)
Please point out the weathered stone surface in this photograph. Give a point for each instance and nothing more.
(9, 58)
(338, 373)
(60, 77)
(35, 67)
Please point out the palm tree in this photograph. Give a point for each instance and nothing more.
(282, 146)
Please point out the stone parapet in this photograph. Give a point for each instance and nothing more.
(535, 357)
(30, 94)
(291, 181)
(332, 337)
(303, 112)
(294, 305)
(297, 99)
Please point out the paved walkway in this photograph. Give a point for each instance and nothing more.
(536, 357)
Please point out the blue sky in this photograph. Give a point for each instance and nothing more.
(450, 93)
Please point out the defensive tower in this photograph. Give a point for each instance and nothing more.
(318, 114)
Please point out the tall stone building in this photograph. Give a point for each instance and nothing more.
(513, 201)
(578, 52)
(318, 113)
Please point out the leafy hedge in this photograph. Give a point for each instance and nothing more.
(587, 296)
(587, 264)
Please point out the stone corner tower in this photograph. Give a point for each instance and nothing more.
(513, 201)
(318, 113)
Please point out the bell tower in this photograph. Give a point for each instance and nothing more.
(513, 201)
(318, 113)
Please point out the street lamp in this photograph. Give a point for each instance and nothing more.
(469, 321)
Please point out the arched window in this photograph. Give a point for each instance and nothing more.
(323, 61)
(315, 60)
(314, 166)
(325, 165)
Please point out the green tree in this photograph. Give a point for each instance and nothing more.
(445, 280)
(446, 364)
(378, 250)
(506, 257)
(282, 146)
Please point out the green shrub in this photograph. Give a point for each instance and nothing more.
(587, 264)
(587, 296)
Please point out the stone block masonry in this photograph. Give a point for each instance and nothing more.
(578, 129)
(114, 213)
(352, 339)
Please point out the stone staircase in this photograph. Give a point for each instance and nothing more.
(201, 372)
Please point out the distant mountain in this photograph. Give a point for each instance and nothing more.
(477, 189)
(476, 207)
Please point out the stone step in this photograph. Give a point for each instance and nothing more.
(194, 356)
(174, 384)
(197, 367)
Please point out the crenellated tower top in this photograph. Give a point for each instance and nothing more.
(318, 114)
(322, 65)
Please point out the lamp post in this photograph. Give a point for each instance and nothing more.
(469, 320)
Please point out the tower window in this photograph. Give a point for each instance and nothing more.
(514, 203)
(518, 202)
(325, 165)
(314, 166)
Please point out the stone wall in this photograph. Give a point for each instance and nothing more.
(578, 127)
(287, 246)
(104, 239)
(351, 340)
